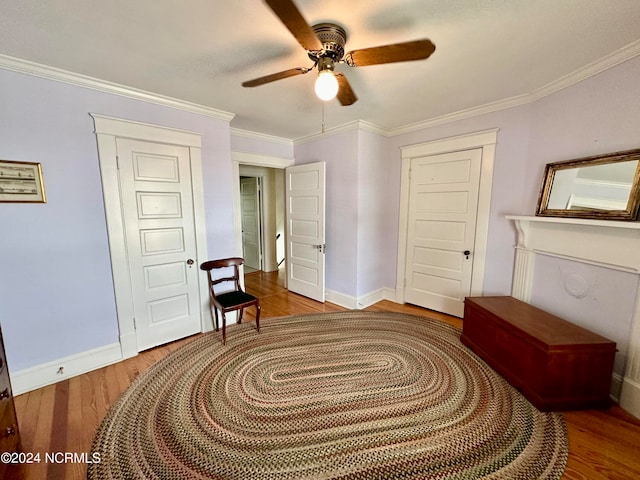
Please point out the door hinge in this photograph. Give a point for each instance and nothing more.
(117, 162)
(135, 326)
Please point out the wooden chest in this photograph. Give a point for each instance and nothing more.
(9, 436)
(555, 364)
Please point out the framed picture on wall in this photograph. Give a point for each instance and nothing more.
(21, 182)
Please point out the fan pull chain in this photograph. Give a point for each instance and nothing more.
(322, 103)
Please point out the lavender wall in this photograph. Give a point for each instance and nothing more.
(56, 290)
(340, 152)
(594, 116)
(598, 115)
(375, 218)
(509, 180)
(597, 298)
(252, 143)
(56, 293)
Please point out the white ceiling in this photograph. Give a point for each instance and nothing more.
(202, 50)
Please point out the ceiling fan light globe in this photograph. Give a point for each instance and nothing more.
(326, 86)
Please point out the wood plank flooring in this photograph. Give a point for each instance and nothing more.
(604, 444)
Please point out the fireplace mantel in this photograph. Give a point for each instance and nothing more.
(612, 244)
(605, 243)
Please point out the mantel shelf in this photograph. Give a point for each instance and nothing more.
(609, 243)
(577, 221)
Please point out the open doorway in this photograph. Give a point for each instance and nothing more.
(262, 211)
(258, 165)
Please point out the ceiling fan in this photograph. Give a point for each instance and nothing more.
(325, 43)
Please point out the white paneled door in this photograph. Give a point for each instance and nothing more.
(443, 203)
(305, 211)
(155, 184)
(250, 207)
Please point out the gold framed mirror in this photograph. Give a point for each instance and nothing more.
(602, 187)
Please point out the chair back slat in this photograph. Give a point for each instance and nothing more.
(223, 263)
(216, 281)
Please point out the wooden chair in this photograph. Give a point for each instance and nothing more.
(228, 300)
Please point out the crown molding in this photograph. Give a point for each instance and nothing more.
(237, 132)
(345, 127)
(615, 58)
(462, 115)
(79, 80)
(628, 52)
(619, 56)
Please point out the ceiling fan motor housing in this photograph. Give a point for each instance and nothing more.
(333, 38)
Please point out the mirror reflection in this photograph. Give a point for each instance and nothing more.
(604, 186)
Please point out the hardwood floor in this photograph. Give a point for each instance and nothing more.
(63, 418)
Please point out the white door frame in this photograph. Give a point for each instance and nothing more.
(107, 129)
(487, 141)
(255, 160)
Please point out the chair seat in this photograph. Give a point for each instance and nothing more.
(231, 299)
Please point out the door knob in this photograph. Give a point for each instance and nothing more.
(190, 262)
(467, 253)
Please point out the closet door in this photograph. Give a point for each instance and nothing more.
(443, 205)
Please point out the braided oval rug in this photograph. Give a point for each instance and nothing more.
(348, 395)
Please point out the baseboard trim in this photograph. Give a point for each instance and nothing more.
(49, 373)
(616, 387)
(346, 301)
(630, 397)
(363, 301)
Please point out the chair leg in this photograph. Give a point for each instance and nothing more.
(224, 329)
(240, 312)
(258, 317)
(215, 316)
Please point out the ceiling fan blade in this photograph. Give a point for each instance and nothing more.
(289, 14)
(345, 94)
(275, 76)
(398, 52)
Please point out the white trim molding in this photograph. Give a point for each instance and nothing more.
(362, 301)
(345, 127)
(257, 160)
(238, 132)
(107, 130)
(64, 76)
(615, 58)
(117, 127)
(49, 373)
(612, 244)
(486, 140)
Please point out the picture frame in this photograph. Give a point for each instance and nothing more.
(21, 182)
